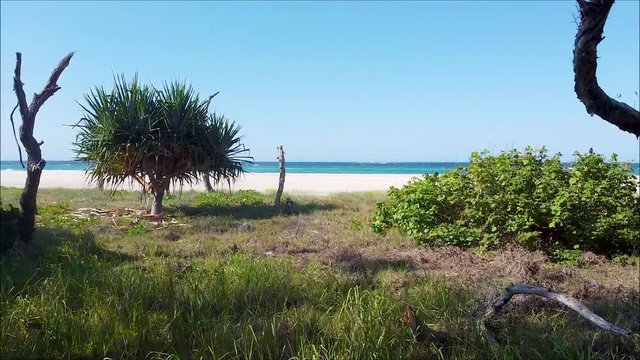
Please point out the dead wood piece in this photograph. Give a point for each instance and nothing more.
(564, 299)
(281, 165)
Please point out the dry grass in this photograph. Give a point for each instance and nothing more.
(330, 236)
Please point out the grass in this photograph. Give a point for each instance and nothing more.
(242, 281)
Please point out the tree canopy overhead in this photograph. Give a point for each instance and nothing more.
(156, 137)
(593, 16)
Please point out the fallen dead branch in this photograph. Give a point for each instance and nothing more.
(109, 213)
(158, 221)
(564, 299)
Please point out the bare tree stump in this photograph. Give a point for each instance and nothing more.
(35, 162)
(282, 175)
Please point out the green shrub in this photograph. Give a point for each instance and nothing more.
(568, 257)
(219, 198)
(138, 228)
(527, 197)
(215, 198)
(247, 197)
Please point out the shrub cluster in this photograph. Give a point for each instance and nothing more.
(220, 198)
(525, 197)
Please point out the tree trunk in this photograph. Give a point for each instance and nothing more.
(282, 174)
(207, 183)
(27, 220)
(593, 15)
(100, 184)
(156, 207)
(35, 163)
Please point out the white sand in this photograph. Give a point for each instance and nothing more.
(318, 184)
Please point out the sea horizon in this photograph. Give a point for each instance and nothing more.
(305, 167)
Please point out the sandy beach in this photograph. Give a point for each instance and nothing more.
(316, 184)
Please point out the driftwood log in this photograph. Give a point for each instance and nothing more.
(564, 299)
(281, 165)
(35, 162)
(593, 15)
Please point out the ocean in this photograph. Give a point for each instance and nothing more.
(295, 167)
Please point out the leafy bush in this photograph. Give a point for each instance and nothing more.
(219, 198)
(568, 257)
(527, 197)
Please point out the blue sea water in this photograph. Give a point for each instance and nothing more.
(294, 167)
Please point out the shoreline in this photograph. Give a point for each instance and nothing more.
(305, 183)
(315, 184)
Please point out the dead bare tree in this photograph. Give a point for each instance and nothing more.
(282, 173)
(35, 162)
(593, 15)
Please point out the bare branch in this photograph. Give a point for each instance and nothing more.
(211, 98)
(18, 87)
(13, 126)
(52, 85)
(564, 299)
(593, 15)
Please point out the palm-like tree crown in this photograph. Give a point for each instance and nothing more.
(166, 136)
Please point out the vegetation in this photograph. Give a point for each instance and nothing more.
(315, 284)
(219, 198)
(527, 198)
(8, 226)
(166, 136)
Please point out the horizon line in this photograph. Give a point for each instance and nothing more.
(336, 161)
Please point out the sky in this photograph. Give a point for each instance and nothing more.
(335, 81)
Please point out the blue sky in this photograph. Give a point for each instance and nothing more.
(336, 81)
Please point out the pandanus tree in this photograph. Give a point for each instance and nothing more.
(157, 138)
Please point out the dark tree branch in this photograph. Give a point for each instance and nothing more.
(211, 98)
(593, 15)
(13, 126)
(564, 299)
(17, 87)
(52, 85)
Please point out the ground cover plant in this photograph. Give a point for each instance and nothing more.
(526, 197)
(241, 281)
